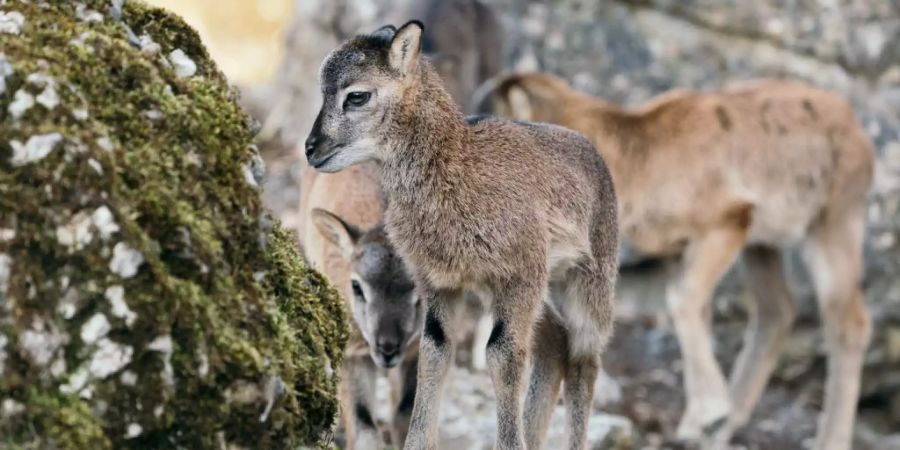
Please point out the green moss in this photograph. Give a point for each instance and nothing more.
(224, 309)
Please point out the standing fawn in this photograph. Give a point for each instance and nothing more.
(746, 172)
(357, 257)
(516, 212)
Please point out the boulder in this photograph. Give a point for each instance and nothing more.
(146, 298)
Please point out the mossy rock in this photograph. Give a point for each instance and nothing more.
(146, 301)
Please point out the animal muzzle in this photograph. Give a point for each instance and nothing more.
(389, 349)
(318, 148)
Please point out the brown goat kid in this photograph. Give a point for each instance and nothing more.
(516, 212)
(743, 172)
(341, 236)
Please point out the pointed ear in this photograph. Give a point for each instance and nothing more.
(385, 33)
(337, 231)
(519, 103)
(404, 53)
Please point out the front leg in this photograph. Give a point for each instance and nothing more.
(435, 355)
(407, 390)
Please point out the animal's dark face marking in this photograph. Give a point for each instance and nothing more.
(724, 119)
(433, 329)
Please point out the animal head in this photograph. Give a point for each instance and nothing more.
(362, 81)
(532, 97)
(381, 293)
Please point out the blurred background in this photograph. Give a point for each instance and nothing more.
(628, 51)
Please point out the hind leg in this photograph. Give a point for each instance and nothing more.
(771, 316)
(548, 359)
(688, 294)
(587, 311)
(834, 257)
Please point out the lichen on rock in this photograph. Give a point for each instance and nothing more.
(146, 301)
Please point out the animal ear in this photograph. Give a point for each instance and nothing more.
(337, 231)
(519, 103)
(385, 33)
(404, 53)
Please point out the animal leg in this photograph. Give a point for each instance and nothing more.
(358, 401)
(688, 295)
(586, 306)
(772, 314)
(548, 359)
(834, 257)
(435, 356)
(408, 378)
(516, 303)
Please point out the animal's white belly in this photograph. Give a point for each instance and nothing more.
(781, 224)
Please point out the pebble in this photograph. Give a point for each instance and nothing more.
(6, 70)
(125, 260)
(184, 66)
(22, 102)
(35, 149)
(104, 221)
(11, 22)
(40, 344)
(76, 234)
(5, 269)
(134, 430)
(48, 98)
(120, 309)
(110, 357)
(95, 328)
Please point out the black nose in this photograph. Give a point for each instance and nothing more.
(388, 348)
(311, 142)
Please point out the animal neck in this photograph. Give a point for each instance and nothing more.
(427, 143)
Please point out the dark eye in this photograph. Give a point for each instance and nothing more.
(357, 98)
(357, 290)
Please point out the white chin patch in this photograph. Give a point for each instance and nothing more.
(348, 156)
